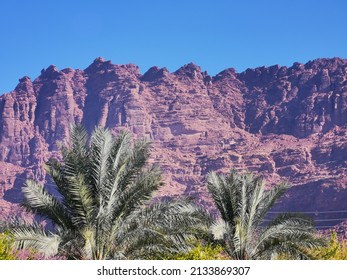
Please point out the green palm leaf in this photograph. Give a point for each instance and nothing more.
(33, 236)
(39, 201)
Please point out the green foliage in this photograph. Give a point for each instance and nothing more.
(201, 252)
(6, 242)
(335, 250)
(101, 205)
(243, 204)
(8, 252)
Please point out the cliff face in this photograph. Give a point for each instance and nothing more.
(284, 123)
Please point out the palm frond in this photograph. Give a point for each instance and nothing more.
(222, 196)
(137, 193)
(101, 147)
(178, 220)
(256, 199)
(270, 198)
(35, 237)
(79, 140)
(131, 166)
(120, 150)
(84, 203)
(38, 200)
(55, 170)
(75, 156)
(288, 229)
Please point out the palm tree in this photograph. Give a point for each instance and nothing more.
(243, 204)
(102, 207)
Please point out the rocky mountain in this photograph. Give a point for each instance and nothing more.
(284, 123)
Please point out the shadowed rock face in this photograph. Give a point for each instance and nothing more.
(283, 123)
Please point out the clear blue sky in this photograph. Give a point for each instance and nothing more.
(214, 34)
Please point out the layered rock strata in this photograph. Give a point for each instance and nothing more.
(284, 123)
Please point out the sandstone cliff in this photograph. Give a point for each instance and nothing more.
(283, 123)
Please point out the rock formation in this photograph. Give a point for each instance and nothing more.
(282, 123)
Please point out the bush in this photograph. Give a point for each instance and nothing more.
(6, 241)
(335, 250)
(201, 252)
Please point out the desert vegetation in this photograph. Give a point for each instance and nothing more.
(103, 207)
(335, 249)
(6, 242)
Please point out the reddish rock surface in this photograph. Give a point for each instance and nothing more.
(283, 123)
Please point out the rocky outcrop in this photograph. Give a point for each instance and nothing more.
(300, 100)
(283, 123)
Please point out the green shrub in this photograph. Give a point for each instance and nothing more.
(201, 252)
(6, 252)
(335, 250)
